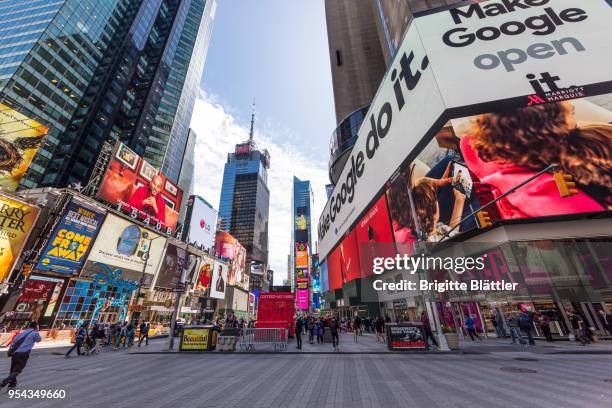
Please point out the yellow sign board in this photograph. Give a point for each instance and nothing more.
(196, 339)
(20, 137)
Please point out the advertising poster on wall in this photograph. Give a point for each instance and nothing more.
(123, 245)
(324, 276)
(17, 218)
(171, 267)
(205, 276)
(219, 279)
(405, 336)
(139, 189)
(237, 274)
(192, 268)
(301, 255)
(71, 239)
(201, 222)
(224, 245)
(20, 138)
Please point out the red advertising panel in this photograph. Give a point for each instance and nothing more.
(139, 189)
(333, 269)
(276, 310)
(374, 236)
(349, 258)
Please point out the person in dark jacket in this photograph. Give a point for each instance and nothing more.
(427, 330)
(22, 345)
(299, 327)
(81, 335)
(144, 333)
(333, 326)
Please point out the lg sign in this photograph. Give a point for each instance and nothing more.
(204, 225)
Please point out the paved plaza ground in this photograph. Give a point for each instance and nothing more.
(486, 376)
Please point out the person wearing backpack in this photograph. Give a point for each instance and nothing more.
(19, 352)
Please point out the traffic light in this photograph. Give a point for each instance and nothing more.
(484, 221)
(565, 183)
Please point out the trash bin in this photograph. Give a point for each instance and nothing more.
(198, 338)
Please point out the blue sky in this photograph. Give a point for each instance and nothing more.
(276, 52)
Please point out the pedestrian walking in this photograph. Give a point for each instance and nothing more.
(320, 331)
(515, 333)
(144, 333)
(299, 327)
(544, 322)
(19, 352)
(311, 331)
(471, 327)
(94, 334)
(379, 326)
(130, 332)
(427, 330)
(80, 337)
(333, 326)
(525, 321)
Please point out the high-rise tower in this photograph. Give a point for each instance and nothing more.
(96, 71)
(245, 198)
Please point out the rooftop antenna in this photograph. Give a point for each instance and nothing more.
(252, 122)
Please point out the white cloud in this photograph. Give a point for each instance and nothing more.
(218, 132)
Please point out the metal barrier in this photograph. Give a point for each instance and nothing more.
(276, 337)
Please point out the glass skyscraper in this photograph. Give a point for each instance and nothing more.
(96, 71)
(245, 199)
(301, 233)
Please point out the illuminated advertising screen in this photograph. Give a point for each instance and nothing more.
(324, 276)
(125, 246)
(17, 218)
(302, 299)
(71, 240)
(20, 138)
(301, 218)
(302, 283)
(301, 255)
(316, 273)
(219, 279)
(475, 160)
(224, 245)
(171, 267)
(139, 189)
(202, 222)
(374, 237)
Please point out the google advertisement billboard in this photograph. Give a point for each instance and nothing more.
(528, 87)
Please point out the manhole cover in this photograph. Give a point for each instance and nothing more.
(608, 380)
(525, 359)
(518, 370)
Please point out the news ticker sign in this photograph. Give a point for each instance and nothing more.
(465, 61)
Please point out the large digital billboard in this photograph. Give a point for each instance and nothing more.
(237, 273)
(202, 222)
(20, 138)
(541, 53)
(71, 240)
(302, 299)
(205, 276)
(126, 247)
(17, 218)
(139, 189)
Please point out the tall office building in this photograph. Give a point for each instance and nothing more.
(301, 240)
(363, 36)
(245, 198)
(96, 71)
(186, 175)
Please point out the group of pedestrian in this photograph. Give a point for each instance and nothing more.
(117, 335)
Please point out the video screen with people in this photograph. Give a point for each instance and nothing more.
(475, 160)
